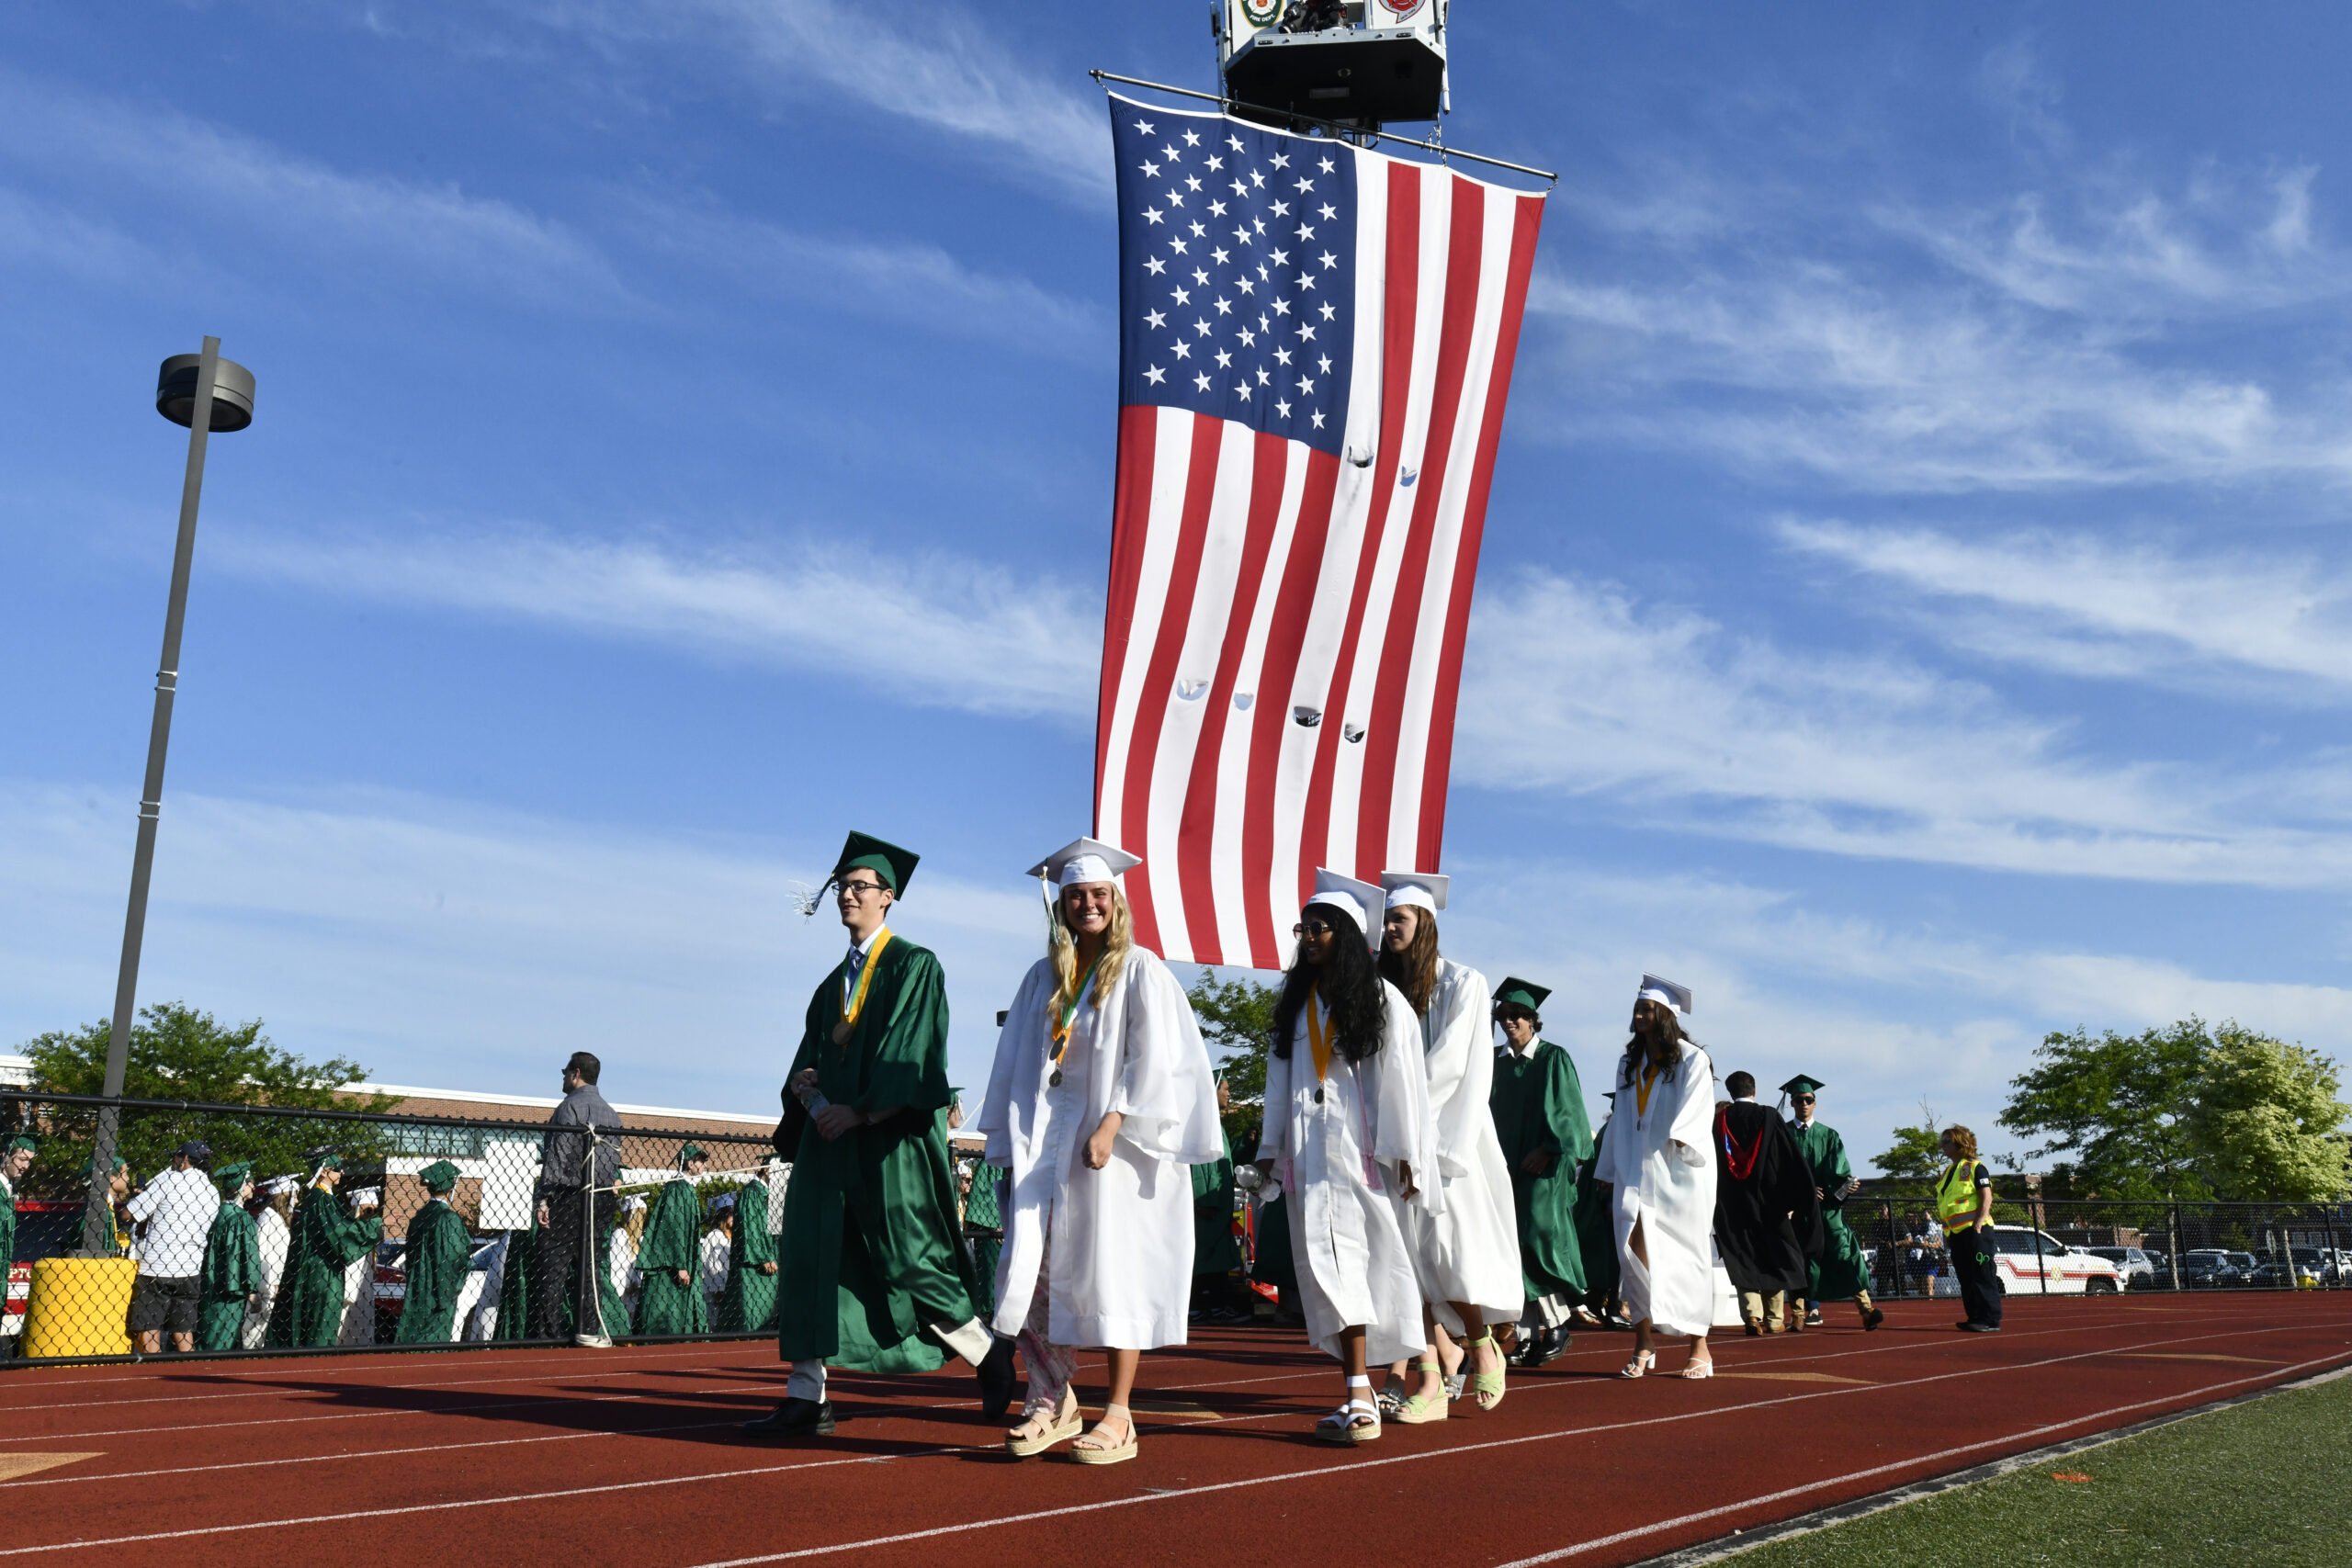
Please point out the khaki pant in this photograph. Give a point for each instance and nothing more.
(1758, 1307)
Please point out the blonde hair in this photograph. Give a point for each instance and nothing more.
(1062, 948)
(283, 1203)
(634, 1227)
(1965, 1138)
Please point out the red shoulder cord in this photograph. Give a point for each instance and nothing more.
(1742, 1164)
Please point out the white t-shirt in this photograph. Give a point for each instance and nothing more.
(177, 1208)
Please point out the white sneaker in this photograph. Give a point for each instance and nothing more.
(592, 1341)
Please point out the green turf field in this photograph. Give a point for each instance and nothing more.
(2267, 1484)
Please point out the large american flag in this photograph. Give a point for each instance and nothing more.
(1315, 346)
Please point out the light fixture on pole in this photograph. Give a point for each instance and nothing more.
(203, 392)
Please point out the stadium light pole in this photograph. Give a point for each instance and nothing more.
(203, 392)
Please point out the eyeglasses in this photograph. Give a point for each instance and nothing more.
(858, 889)
(1310, 928)
(1800, 1099)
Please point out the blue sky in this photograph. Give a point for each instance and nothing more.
(1913, 610)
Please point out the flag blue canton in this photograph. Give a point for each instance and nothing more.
(1237, 272)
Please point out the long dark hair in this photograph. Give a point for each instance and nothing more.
(1670, 1027)
(1359, 1013)
(1414, 971)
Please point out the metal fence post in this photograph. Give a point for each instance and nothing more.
(2172, 1257)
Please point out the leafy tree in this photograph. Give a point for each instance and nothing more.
(1916, 1157)
(1238, 1020)
(179, 1054)
(2266, 1122)
(2118, 1103)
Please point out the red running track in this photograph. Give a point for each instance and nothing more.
(630, 1457)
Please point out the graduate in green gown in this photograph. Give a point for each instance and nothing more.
(748, 1303)
(1217, 1252)
(231, 1269)
(14, 1163)
(440, 1247)
(1538, 1105)
(1840, 1273)
(311, 1294)
(670, 1255)
(976, 1183)
(1597, 1232)
(875, 1275)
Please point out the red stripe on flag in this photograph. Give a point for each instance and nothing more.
(1130, 528)
(1159, 676)
(1277, 670)
(1196, 833)
(1529, 221)
(1464, 247)
(1397, 370)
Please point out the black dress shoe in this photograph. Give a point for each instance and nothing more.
(795, 1418)
(1980, 1328)
(995, 1374)
(1871, 1319)
(1547, 1347)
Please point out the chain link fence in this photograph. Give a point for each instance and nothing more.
(252, 1229)
(2064, 1247)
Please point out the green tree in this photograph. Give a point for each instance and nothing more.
(2117, 1104)
(180, 1054)
(1238, 1023)
(2266, 1122)
(1915, 1159)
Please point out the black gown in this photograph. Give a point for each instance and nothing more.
(1768, 1221)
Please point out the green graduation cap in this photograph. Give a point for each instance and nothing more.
(691, 1153)
(438, 1177)
(84, 1174)
(1801, 1084)
(21, 1142)
(324, 1161)
(894, 866)
(231, 1177)
(1516, 992)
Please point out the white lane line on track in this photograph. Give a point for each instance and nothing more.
(273, 1367)
(327, 1394)
(1513, 1442)
(296, 1384)
(367, 1453)
(1151, 1497)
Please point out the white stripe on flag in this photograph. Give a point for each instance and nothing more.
(1172, 460)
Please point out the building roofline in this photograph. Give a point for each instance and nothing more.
(546, 1102)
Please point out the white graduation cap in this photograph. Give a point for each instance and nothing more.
(365, 1196)
(278, 1184)
(1356, 900)
(633, 1203)
(1085, 860)
(1666, 993)
(1415, 890)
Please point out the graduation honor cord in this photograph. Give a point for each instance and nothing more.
(853, 1005)
(1066, 1017)
(1319, 1042)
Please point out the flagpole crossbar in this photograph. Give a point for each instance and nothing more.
(1338, 128)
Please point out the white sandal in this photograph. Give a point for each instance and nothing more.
(1056, 1428)
(1357, 1421)
(1106, 1451)
(1639, 1366)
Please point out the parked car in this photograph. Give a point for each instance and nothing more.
(391, 1280)
(2210, 1268)
(2035, 1262)
(2139, 1269)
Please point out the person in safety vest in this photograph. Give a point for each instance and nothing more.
(1964, 1205)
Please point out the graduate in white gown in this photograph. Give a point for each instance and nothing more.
(359, 1280)
(1347, 1135)
(1659, 1163)
(274, 1235)
(1465, 1253)
(1099, 1104)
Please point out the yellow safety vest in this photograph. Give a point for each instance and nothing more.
(1956, 1195)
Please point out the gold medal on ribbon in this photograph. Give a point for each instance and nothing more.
(1066, 1017)
(842, 1030)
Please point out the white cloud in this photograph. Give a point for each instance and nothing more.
(1572, 690)
(932, 629)
(2081, 604)
(920, 284)
(443, 945)
(202, 180)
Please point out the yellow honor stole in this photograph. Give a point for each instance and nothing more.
(1319, 1039)
(853, 1003)
(1641, 1090)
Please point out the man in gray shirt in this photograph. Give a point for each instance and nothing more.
(575, 1200)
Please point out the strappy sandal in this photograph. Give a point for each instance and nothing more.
(1454, 1383)
(1357, 1421)
(1029, 1437)
(1419, 1409)
(1105, 1452)
(1640, 1365)
(1490, 1385)
(1698, 1370)
(1391, 1398)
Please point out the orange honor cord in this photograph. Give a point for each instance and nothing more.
(1317, 1039)
(1641, 1090)
(1067, 1016)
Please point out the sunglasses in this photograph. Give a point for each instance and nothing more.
(1800, 1099)
(1310, 928)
